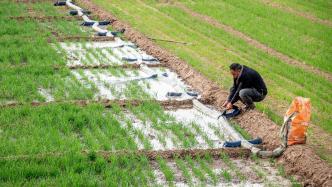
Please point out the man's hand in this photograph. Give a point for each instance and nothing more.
(225, 104)
(228, 105)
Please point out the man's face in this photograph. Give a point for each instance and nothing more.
(235, 73)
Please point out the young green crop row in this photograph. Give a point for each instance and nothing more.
(77, 170)
(74, 169)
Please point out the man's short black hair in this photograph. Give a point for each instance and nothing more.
(235, 66)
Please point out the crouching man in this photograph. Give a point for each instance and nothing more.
(248, 86)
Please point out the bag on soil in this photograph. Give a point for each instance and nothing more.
(294, 128)
(297, 117)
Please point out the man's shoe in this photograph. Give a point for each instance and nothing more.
(249, 107)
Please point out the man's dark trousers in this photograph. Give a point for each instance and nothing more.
(249, 95)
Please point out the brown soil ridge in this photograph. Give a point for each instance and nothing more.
(45, 18)
(256, 43)
(305, 15)
(304, 162)
(182, 153)
(167, 104)
(254, 122)
(150, 154)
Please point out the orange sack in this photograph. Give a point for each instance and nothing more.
(300, 112)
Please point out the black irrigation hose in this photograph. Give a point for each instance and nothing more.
(171, 41)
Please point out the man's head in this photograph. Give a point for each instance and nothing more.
(235, 69)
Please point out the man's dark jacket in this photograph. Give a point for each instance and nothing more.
(249, 78)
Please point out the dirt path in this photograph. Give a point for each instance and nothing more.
(256, 43)
(298, 13)
(256, 123)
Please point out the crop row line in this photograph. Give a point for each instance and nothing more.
(74, 38)
(168, 104)
(150, 154)
(105, 66)
(80, 38)
(32, 1)
(44, 18)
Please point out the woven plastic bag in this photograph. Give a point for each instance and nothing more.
(294, 128)
(296, 123)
